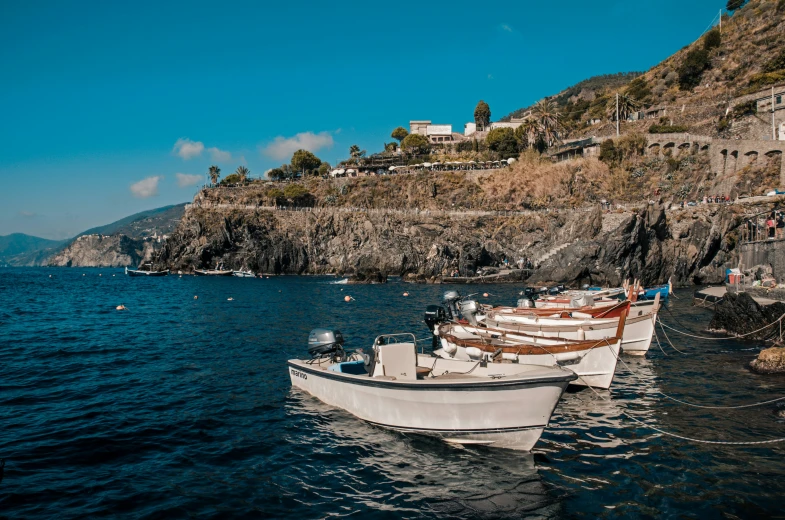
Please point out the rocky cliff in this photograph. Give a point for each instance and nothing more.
(103, 251)
(586, 245)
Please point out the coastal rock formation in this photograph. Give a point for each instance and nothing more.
(693, 245)
(738, 314)
(770, 361)
(103, 251)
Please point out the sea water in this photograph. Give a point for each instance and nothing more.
(181, 407)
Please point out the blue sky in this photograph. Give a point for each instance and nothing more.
(103, 104)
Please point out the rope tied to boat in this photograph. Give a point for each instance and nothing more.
(690, 439)
(778, 320)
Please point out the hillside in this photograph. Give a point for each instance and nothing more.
(698, 87)
(159, 221)
(19, 243)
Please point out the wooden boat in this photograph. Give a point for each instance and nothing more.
(592, 360)
(213, 272)
(142, 272)
(462, 402)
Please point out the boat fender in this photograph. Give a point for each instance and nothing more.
(451, 348)
(474, 352)
(510, 357)
(581, 334)
(581, 315)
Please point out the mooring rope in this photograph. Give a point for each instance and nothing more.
(670, 342)
(690, 439)
(658, 341)
(719, 339)
(751, 405)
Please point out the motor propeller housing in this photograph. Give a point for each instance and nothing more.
(322, 342)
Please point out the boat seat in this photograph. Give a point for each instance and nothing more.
(399, 360)
(356, 368)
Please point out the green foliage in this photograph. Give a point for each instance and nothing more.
(712, 40)
(691, 70)
(274, 194)
(639, 89)
(723, 124)
(324, 169)
(608, 151)
(242, 172)
(781, 6)
(733, 5)
(276, 174)
(416, 143)
(758, 81)
(298, 195)
(502, 141)
(399, 134)
(482, 115)
(214, 173)
(777, 63)
(630, 145)
(667, 129)
(232, 178)
(355, 152)
(748, 108)
(305, 161)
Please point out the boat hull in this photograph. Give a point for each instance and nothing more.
(134, 272)
(495, 412)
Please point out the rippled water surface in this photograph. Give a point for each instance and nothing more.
(182, 407)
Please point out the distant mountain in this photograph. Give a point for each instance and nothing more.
(159, 221)
(19, 243)
(19, 249)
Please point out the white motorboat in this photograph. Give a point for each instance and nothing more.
(637, 333)
(243, 274)
(213, 272)
(145, 272)
(463, 402)
(593, 361)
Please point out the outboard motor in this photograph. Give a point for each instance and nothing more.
(526, 303)
(451, 298)
(324, 343)
(469, 310)
(434, 315)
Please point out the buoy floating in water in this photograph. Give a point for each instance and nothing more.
(485, 295)
(406, 294)
(230, 299)
(121, 308)
(347, 298)
(99, 274)
(50, 276)
(196, 297)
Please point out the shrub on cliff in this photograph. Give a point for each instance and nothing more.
(298, 195)
(691, 70)
(667, 129)
(764, 79)
(503, 142)
(233, 178)
(416, 143)
(712, 40)
(775, 64)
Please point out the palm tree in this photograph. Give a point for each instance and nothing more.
(214, 173)
(530, 130)
(547, 115)
(627, 106)
(243, 172)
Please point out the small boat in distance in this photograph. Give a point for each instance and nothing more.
(243, 274)
(213, 272)
(145, 270)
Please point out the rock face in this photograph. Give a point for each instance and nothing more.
(770, 361)
(579, 246)
(103, 251)
(368, 277)
(739, 314)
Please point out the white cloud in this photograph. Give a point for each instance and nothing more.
(188, 149)
(146, 187)
(506, 27)
(186, 179)
(219, 155)
(282, 148)
(27, 214)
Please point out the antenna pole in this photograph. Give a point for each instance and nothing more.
(617, 113)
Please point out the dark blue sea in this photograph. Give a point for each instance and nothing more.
(182, 408)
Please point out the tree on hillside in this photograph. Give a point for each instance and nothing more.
(733, 5)
(712, 40)
(399, 134)
(214, 173)
(276, 174)
(482, 115)
(324, 169)
(416, 143)
(502, 141)
(527, 133)
(304, 161)
(627, 105)
(691, 69)
(547, 115)
(355, 152)
(242, 172)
